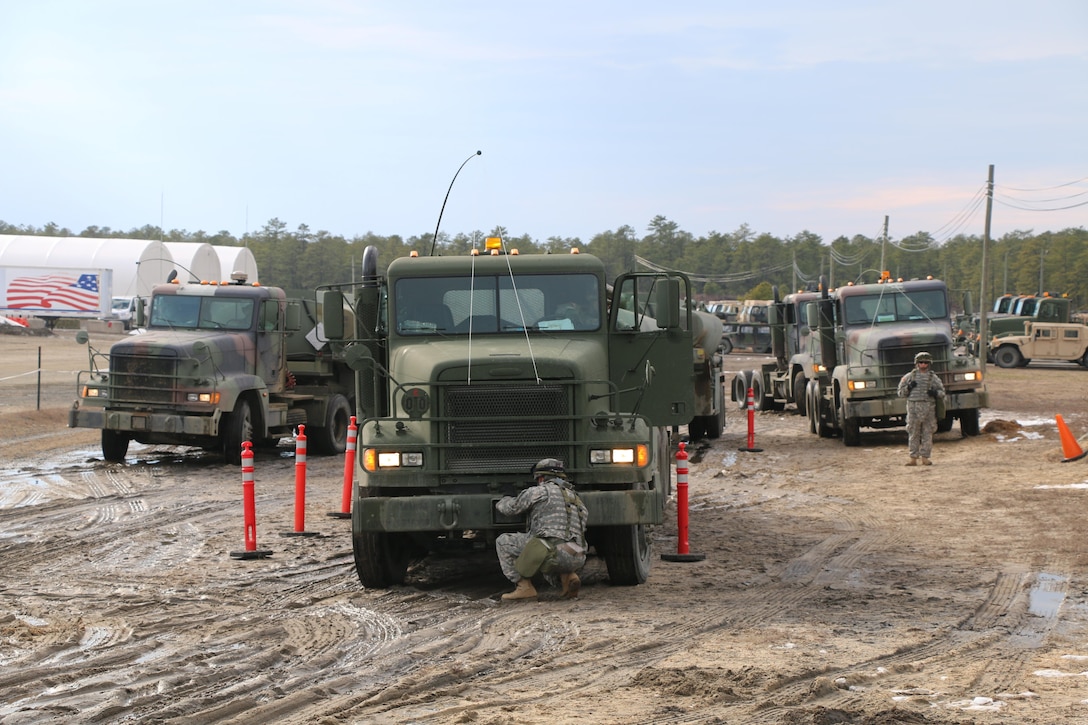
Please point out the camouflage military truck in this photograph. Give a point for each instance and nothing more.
(782, 382)
(751, 330)
(218, 365)
(472, 368)
(709, 377)
(1055, 341)
(867, 337)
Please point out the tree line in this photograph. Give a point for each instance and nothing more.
(734, 265)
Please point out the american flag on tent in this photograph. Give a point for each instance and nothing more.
(55, 292)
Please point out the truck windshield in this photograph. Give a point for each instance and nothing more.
(204, 313)
(895, 307)
(494, 304)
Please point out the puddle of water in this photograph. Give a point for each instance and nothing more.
(1046, 597)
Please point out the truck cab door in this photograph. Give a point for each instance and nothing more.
(271, 363)
(650, 347)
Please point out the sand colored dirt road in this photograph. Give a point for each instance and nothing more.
(838, 587)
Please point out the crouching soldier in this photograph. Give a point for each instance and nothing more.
(555, 542)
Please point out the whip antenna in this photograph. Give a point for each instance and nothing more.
(443, 209)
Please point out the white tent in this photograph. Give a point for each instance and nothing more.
(137, 264)
(237, 259)
(195, 263)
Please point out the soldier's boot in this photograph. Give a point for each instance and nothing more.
(927, 462)
(912, 462)
(571, 585)
(524, 590)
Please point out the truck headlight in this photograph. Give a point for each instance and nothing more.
(89, 392)
(631, 455)
(209, 398)
(860, 384)
(972, 377)
(373, 459)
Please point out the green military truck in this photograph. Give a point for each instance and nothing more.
(473, 368)
(1019, 311)
(777, 384)
(218, 365)
(867, 336)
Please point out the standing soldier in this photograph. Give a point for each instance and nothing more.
(922, 388)
(555, 539)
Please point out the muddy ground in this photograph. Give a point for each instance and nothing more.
(838, 586)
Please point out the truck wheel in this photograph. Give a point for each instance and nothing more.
(331, 438)
(851, 431)
(114, 446)
(800, 384)
(237, 427)
(695, 429)
(626, 553)
(759, 401)
(969, 422)
(740, 390)
(712, 426)
(1007, 356)
(725, 346)
(1084, 360)
(377, 563)
(945, 424)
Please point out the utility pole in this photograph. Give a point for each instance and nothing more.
(984, 301)
(1042, 256)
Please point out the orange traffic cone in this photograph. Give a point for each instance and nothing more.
(1070, 448)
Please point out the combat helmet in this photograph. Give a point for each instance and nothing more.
(549, 466)
(923, 357)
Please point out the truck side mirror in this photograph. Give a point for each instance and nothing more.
(667, 304)
(332, 314)
(812, 315)
(139, 313)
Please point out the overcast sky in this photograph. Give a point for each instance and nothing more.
(352, 116)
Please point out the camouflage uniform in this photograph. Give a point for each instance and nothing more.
(557, 517)
(921, 409)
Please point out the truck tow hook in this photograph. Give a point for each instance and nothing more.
(453, 508)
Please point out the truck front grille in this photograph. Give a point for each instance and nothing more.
(505, 428)
(143, 379)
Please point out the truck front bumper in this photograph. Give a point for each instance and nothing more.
(143, 423)
(892, 407)
(477, 511)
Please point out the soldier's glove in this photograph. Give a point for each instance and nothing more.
(911, 385)
(932, 393)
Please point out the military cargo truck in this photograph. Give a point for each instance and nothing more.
(782, 382)
(868, 336)
(708, 377)
(219, 365)
(1041, 341)
(473, 368)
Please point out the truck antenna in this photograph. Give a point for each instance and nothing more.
(443, 209)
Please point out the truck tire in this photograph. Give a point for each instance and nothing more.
(1008, 356)
(695, 429)
(725, 346)
(114, 446)
(945, 424)
(712, 425)
(759, 395)
(800, 384)
(1084, 360)
(236, 428)
(626, 553)
(851, 431)
(741, 382)
(331, 438)
(969, 422)
(377, 563)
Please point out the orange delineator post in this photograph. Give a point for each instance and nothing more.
(249, 508)
(1070, 448)
(349, 472)
(300, 479)
(300, 486)
(682, 552)
(751, 424)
